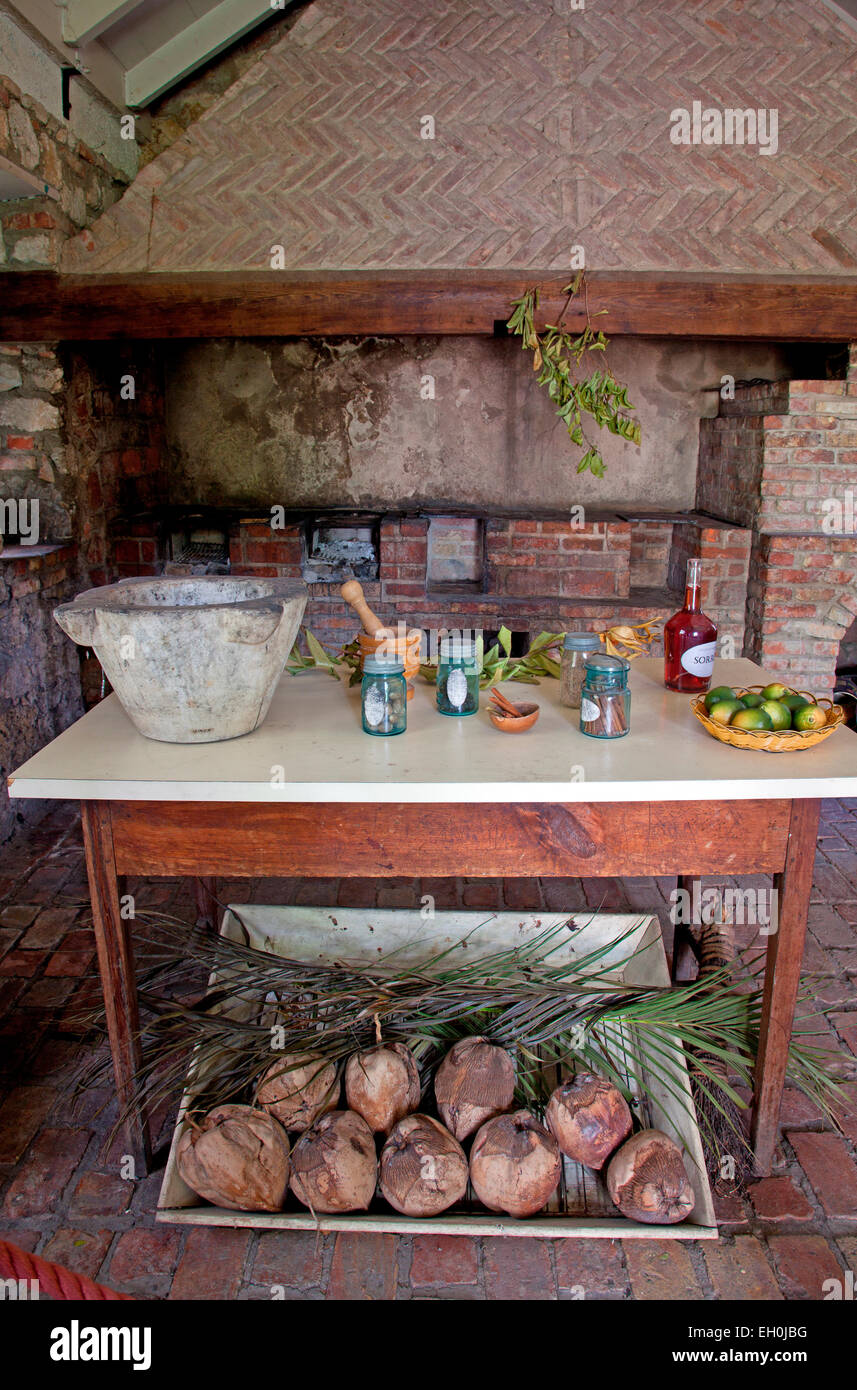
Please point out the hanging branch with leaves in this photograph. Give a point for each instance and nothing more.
(557, 357)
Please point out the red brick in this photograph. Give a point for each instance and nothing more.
(83, 1252)
(803, 1264)
(846, 1027)
(440, 1261)
(482, 893)
(19, 441)
(212, 1264)
(518, 1269)
(739, 1270)
(39, 1186)
(363, 1267)
(143, 1255)
(661, 1269)
(597, 1267)
(21, 1115)
(49, 927)
(291, 1258)
(777, 1200)
(830, 1169)
(730, 1213)
(101, 1194)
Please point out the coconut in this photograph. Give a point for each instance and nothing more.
(648, 1181)
(474, 1082)
(296, 1090)
(383, 1085)
(589, 1117)
(515, 1164)
(334, 1167)
(423, 1169)
(236, 1157)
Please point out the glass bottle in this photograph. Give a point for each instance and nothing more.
(457, 676)
(605, 702)
(690, 641)
(575, 648)
(383, 696)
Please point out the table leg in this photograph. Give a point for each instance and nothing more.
(118, 982)
(685, 960)
(207, 906)
(782, 976)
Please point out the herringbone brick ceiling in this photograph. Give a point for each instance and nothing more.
(551, 129)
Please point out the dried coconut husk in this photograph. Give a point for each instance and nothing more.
(334, 1167)
(423, 1169)
(296, 1092)
(236, 1157)
(515, 1164)
(474, 1082)
(589, 1118)
(648, 1181)
(383, 1085)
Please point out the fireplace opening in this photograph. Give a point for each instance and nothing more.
(341, 548)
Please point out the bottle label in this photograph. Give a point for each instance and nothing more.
(589, 711)
(699, 660)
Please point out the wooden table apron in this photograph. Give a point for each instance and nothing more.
(205, 840)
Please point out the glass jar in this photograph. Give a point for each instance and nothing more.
(383, 696)
(457, 676)
(571, 671)
(605, 703)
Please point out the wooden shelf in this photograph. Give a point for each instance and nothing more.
(41, 306)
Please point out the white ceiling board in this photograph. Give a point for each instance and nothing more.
(84, 20)
(195, 45)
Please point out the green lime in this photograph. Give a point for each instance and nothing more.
(751, 719)
(794, 702)
(720, 692)
(751, 700)
(723, 711)
(809, 717)
(775, 691)
(779, 714)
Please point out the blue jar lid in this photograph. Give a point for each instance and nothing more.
(382, 666)
(457, 649)
(582, 642)
(606, 665)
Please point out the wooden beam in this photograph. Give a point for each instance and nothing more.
(84, 20)
(192, 47)
(40, 306)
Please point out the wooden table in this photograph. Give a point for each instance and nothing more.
(309, 794)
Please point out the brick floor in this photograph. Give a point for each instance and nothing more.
(62, 1195)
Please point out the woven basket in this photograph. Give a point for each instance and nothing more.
(771, 740)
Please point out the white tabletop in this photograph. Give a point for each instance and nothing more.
(311, 748)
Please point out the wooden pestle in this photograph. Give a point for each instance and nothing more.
(352, 592)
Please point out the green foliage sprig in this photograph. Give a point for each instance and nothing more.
(557, 357)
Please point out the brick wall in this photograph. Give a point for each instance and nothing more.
(39, 670)
(802, 600)
(725, 555)
(116, 451)
(82, 183)
(539, 574)
(782, 459)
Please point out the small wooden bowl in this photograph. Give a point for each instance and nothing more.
(508, 724)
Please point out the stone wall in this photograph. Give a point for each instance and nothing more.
(39, 670)
(81, 184)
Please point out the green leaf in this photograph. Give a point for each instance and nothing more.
(504, 637)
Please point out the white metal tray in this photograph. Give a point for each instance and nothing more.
(582, 1206)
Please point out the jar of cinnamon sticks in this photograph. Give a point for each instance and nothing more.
(605, 704)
